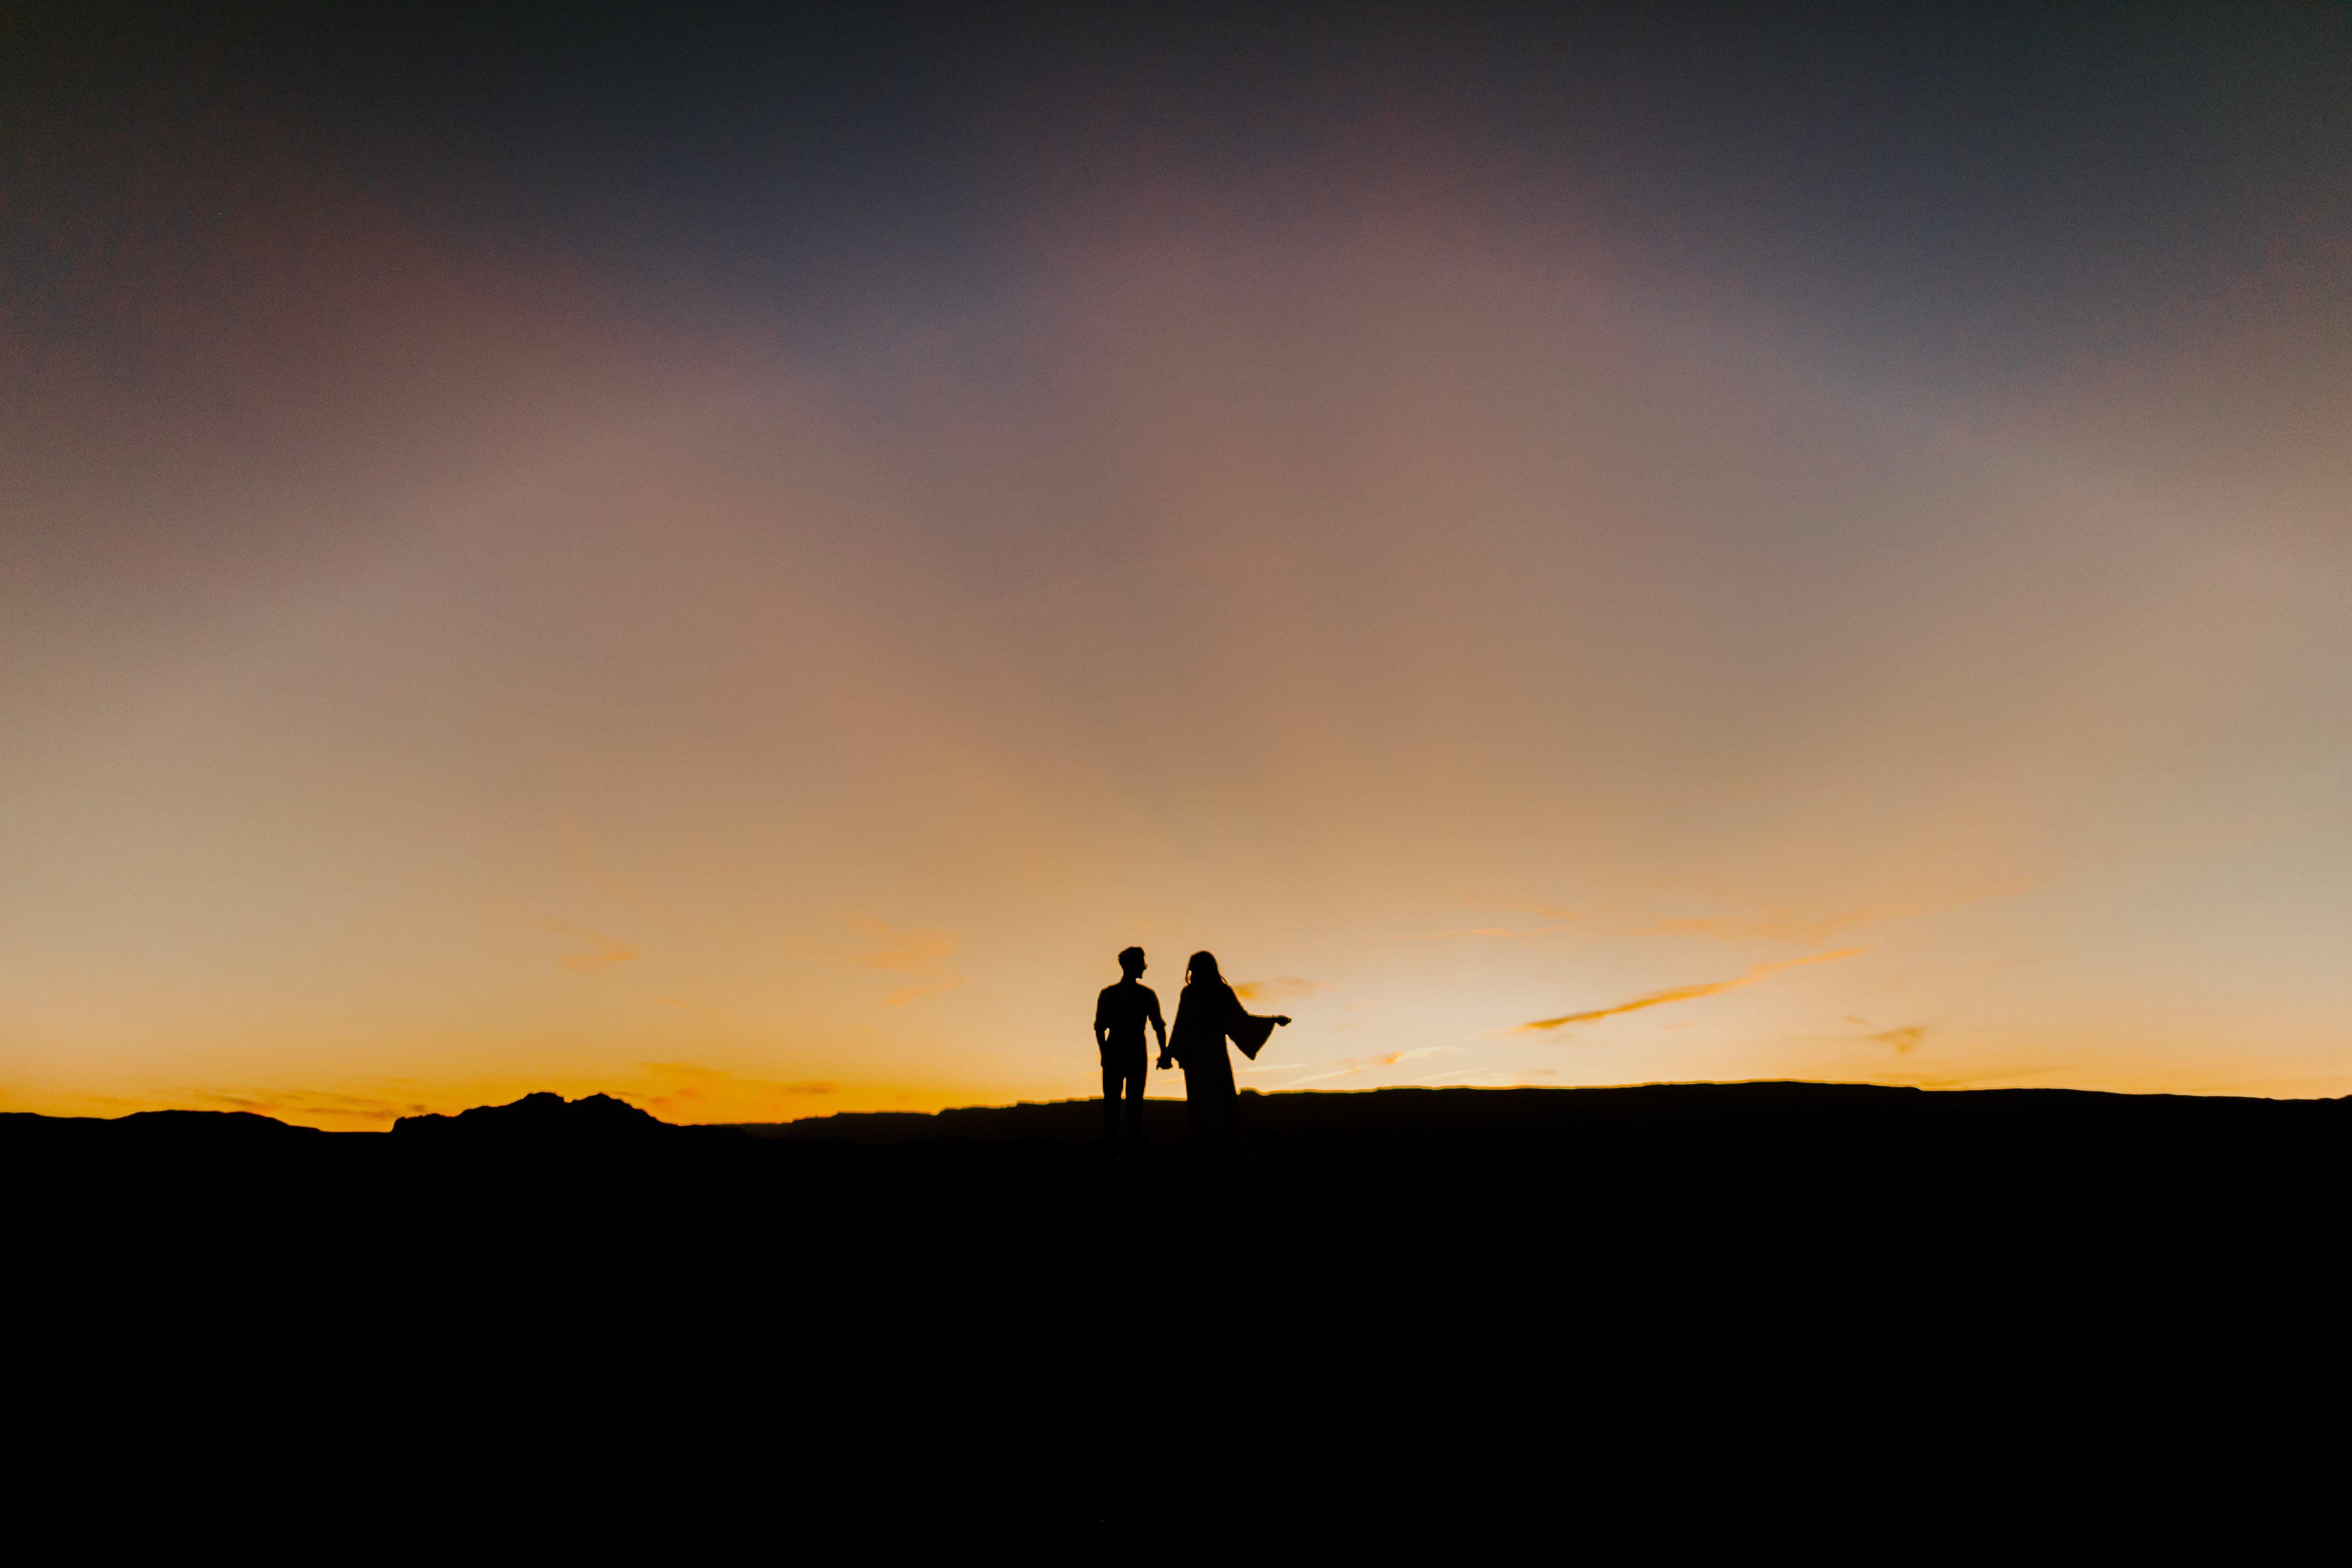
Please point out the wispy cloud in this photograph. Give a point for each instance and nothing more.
(593, 951)
(1683, 993)
(1905, 1039)
(1278, 990)
(598, 951)
(1361, 1064)
(674, 1092)
(1554, 917)
(918, 951)
(1996, 1074)
(628, 892)
(1528, 907)
(308, 1107)
(682, 1091)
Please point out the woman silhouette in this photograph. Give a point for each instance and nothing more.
(1206, 1014)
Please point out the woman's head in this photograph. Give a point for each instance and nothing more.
(1202, 966)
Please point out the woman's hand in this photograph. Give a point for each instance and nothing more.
(1279, 1022)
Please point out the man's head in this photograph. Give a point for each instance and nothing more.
(1130, 963)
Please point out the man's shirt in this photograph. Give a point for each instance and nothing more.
(1123, 1010)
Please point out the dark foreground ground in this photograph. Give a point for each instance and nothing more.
(1526, 1269)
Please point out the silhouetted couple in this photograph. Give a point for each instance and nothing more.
(1207, 1016)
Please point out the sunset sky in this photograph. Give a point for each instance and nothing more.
(737, 566)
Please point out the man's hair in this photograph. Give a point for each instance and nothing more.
(1126, 954)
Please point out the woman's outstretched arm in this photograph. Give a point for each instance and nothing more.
(1248, 1030)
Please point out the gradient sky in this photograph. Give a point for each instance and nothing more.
(736, 564)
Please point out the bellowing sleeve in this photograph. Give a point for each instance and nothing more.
(1249, 1032)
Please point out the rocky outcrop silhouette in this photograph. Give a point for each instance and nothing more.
(540, 1117)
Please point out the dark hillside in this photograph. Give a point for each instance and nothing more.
(1594, 1249)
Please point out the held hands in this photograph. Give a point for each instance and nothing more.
(1279, 1022)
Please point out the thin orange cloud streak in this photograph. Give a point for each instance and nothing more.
(603, 950)
(919, 951)
(1684, 993)
(1905, 1040)
(684, 1092)
(1279, 989)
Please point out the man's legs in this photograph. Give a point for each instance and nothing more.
(1135, 1104)
(1123, 1072)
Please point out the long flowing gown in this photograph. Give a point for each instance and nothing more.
(1206, 1015)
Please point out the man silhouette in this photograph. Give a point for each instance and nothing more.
(1120, 1013)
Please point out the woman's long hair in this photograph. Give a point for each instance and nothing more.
(1202, 969)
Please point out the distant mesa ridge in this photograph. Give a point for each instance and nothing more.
(211, 1129)
(540, 1116)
